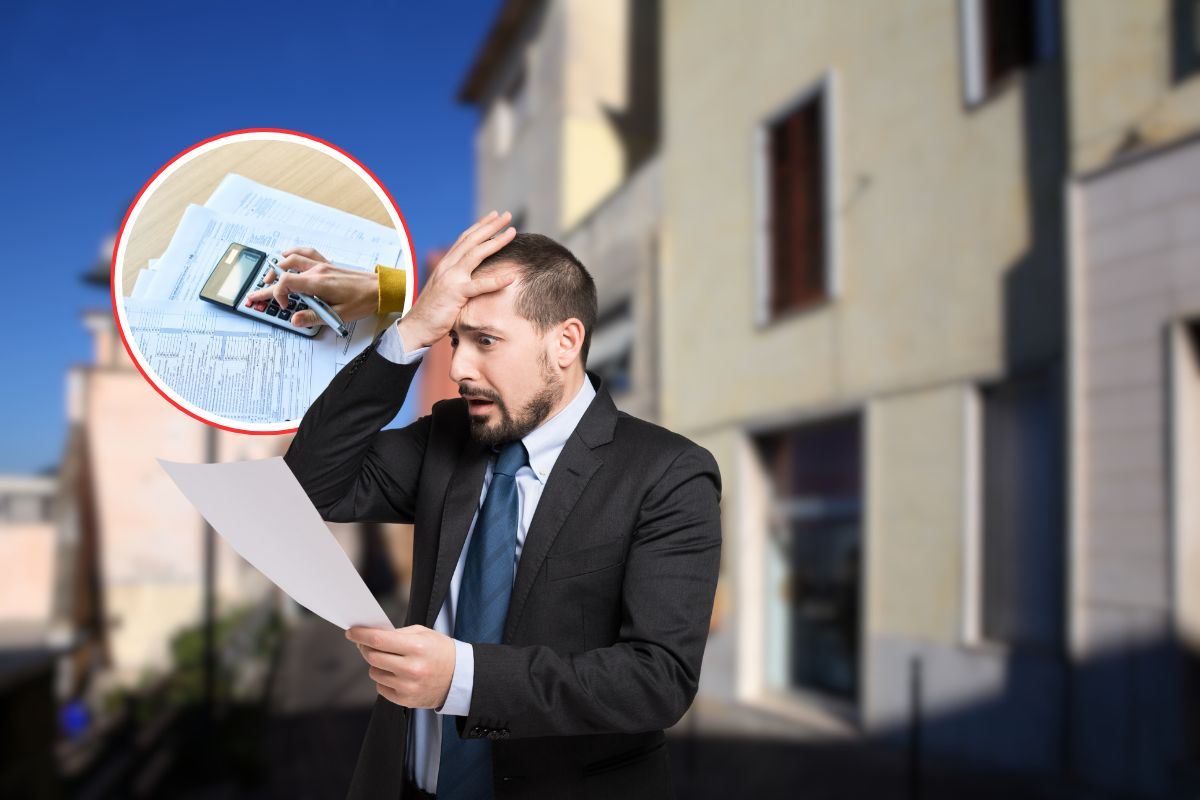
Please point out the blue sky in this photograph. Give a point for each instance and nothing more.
(97, 96)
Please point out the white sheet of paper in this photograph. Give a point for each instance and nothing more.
(144, 279)
(241, 197)
(286, 539)
(235, 366)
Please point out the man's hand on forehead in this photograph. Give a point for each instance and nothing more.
(452, 282)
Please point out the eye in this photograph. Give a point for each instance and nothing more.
(486, 340)
(454, 341)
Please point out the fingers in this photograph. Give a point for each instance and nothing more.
(481, 221)
(299, 259)
(401, 641)
(487, 247)
(490, 283)
(299, 262)
(305, 319)
(383, 661)
(259, 296)
(293, 282)
(388, 693)
(479, 233)
(279, 290)
(307, 252)
(373, 638)
(383, 677)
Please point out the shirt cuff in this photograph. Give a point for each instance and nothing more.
(391, 347)
(458, 699)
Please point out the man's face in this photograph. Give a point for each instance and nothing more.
(502, 366)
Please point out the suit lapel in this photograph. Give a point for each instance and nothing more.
(571, 473)
(462, 500)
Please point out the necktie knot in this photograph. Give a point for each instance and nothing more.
(511, 458)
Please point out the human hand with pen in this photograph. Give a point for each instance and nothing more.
(352, 293)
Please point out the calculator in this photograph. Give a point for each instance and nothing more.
(242, 270)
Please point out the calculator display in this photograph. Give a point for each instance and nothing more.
(232, 273)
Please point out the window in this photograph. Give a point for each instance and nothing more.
(610, 354)
(19, 507)
(1184, 433)
(1022, 547)
(797, 251)
(999, 38)
(517, 98)
(813, 596)
(1185, 24)
(512, 109)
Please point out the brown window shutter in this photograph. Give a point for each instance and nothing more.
(797, 206)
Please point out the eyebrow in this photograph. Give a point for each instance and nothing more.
(468, 328)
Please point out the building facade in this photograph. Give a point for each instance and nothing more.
(1134, 253)
(922, 276)
(568, 140)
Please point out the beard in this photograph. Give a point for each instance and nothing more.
(510, 427)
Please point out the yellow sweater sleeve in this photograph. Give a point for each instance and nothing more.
(392, 288)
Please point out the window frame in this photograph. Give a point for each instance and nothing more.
(511, 111)
(973, 630)
(1185, 39)
(1044, 46)
(758, 685)
(824, 89)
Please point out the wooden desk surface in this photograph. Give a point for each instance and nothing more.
(287, 166)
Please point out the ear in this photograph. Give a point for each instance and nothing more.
(568, 343)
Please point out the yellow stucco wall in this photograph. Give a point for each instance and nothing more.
(915, 495)
(931, 213)
(1122, 87)
(922, 278)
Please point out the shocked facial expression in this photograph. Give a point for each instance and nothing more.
(502, 367)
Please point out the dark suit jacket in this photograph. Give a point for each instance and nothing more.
(614, 589)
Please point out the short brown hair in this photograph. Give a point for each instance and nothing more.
(554, 285)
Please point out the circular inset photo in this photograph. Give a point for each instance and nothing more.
(251, 268)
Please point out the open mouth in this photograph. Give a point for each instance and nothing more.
(479, 404)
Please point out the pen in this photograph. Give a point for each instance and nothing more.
(324, 311)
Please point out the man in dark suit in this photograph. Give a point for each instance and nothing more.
(565, 554)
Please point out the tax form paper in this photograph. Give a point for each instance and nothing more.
(228, 364)
(260, 509)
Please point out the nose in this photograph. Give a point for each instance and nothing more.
(462, 367)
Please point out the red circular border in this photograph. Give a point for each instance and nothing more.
(112, 276)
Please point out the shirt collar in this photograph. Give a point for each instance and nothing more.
(547, 440)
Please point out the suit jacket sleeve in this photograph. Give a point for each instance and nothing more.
(648, 678)
(350, 468)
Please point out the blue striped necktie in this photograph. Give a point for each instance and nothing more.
(465, 768)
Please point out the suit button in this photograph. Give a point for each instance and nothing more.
(476, 730)
(493, 735)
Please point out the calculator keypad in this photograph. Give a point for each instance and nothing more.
(273, 310)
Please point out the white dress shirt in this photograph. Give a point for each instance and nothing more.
(543, 444)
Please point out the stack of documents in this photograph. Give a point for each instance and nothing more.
(228, 364)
